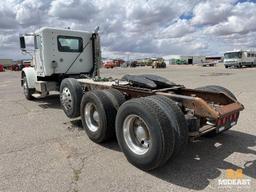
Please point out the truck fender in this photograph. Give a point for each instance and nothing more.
(30, 74)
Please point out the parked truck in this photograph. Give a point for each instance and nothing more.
(158, 63)
(151, 117)
(239, 59)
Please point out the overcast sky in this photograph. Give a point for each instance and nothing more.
(137, 27)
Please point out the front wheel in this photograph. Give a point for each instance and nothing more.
(27, 91)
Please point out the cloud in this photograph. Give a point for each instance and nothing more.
(179, 29)
(7, 40)
(81, 10)
(30, 12)
(211, 12)
(199, 45)
(138, 28)
(7, 17)
(154, 15)
(241, 20)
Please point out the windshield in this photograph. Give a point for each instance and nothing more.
(233, 55)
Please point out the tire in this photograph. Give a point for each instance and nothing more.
(101, 127)
(117, 98)
(27, 91)
(154, 141)
(176, 120)
(71, 93)
(217, 89)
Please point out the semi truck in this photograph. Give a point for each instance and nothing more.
(152, 118)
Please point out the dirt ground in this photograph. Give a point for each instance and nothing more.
(42, 150)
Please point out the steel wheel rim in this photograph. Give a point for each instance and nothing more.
(66, 99)
(136, 134)
(91, 117)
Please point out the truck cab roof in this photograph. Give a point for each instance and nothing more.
(52, 29)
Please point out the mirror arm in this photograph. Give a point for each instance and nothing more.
(27, 52)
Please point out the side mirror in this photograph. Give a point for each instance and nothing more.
(22, 43)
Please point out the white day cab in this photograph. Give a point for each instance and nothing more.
(58, 54)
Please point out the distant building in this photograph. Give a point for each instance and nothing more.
(6, 62)
(181, 59)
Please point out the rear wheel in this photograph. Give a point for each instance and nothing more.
(71, 93)
(144, 133)
(117, 98)
(176, 120)
(98, 116)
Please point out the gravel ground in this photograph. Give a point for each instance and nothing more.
(42, 150)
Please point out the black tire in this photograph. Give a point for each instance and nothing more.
(176, 120)
(106, 116)
(117, 97)
(27, 91)
(71, 93)
(161, 133)
(217, 89)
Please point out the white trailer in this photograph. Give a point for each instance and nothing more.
(239, 59)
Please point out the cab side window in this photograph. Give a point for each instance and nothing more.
(70, 44)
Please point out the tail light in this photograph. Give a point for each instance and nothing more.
(224, 120)
(230, 118)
